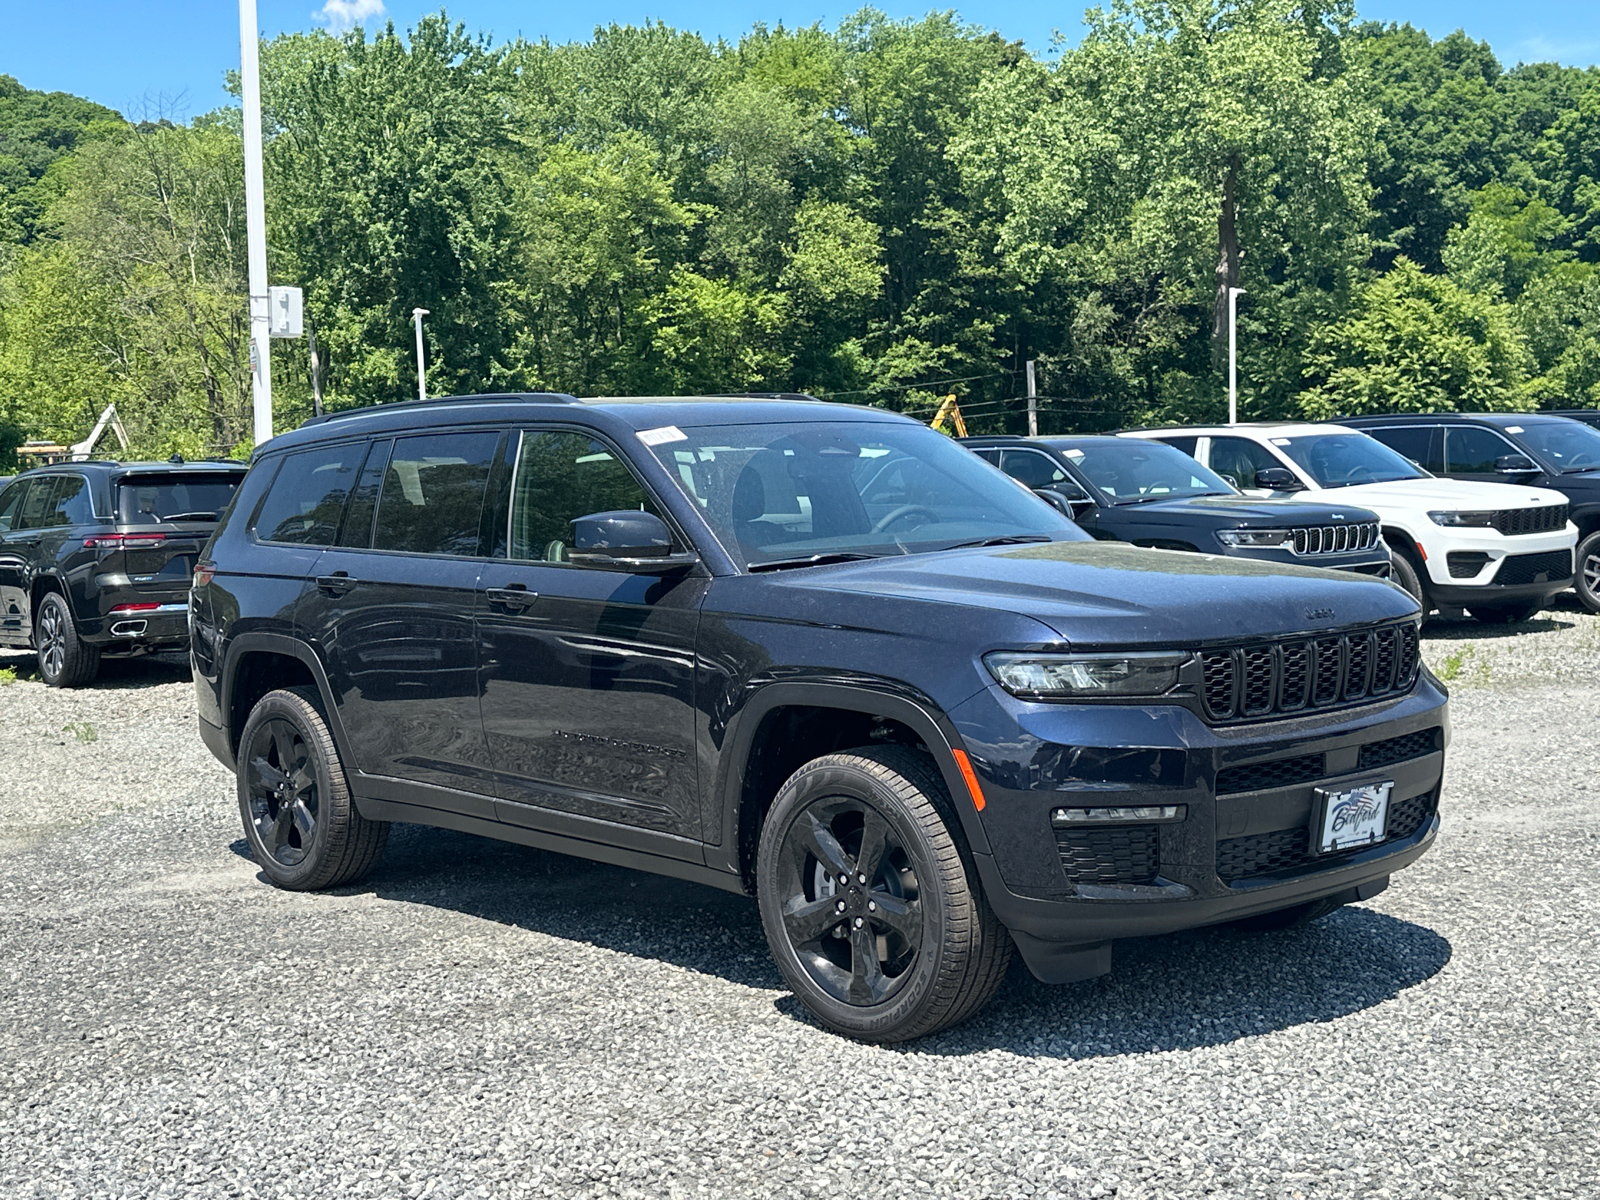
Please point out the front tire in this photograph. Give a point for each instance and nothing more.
(869, 899)
(1586, 579)
(1507, 614)
(1408, 577)
(65, 659)
(299, 817)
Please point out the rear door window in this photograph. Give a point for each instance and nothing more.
(307, 496)
(10, 504)
(35, 504)
(433, 490)
(69, 503)
(1416, 442)
(151, 497)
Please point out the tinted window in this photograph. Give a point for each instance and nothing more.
(562, 475)
(307, 496)
(10, 503)
(1186, 444)
(69, 502)
(1566, 445)
(432, 498)
(357, 530)
(1413, 441)
(1133, 469)
(1471, 450)
(1343, 459)
(31, 514)
(1238, 459)
(792, 490)
(147, 499)
(1032, 468)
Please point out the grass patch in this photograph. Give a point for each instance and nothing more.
(1450, 668)
(8, 676)
(81, 730)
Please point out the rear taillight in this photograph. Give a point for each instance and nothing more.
(133, 608)
(204, 573)
(123, 541)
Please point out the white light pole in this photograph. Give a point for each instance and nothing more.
(1233, 354)
(422, 377)
(255, 223)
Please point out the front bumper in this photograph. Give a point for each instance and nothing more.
(1232, 855)
(1373, 561)
(1488, 550)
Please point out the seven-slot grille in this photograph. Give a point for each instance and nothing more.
(1271, 678)
(1512, 521)
(1335, 539)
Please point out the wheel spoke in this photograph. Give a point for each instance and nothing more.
(818, 840)
(808, 920)
(269, 775)
(280, 826)
(283, 741)
(866, 972)
(300, 816)
(902, 916)
(874, 838)
(303, 780)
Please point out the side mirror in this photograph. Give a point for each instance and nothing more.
(626, 540)
(1279, 479)
(1515, 464)
(1068, 497)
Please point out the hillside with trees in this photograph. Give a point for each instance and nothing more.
(884, 213)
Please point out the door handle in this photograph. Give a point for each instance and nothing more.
(513, 598)
(336, 584)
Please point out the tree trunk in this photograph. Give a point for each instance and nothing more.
(1227, 256)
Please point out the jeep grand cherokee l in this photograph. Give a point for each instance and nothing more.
(820, 654)
(95, 558)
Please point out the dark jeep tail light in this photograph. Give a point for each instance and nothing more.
(204, 573)
(124, 541)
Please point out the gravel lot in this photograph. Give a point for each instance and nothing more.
(479, 1019)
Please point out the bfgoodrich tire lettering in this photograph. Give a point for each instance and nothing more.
(869, 901)
(299, 818)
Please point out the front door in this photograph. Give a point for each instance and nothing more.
(587, 674)
(391, 612)
(16, 550)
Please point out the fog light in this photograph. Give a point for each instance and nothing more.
(1141, 813)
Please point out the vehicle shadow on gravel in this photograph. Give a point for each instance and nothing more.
(1200, 988)
(116, 674)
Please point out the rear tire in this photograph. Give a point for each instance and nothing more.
(1287, 918)
(65, 659)
(869, 899)
(1408, 577)
(1507, 614)
(299, 817)
(1586, 579)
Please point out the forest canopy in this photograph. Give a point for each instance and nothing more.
(885, 212)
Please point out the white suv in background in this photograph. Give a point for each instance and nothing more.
(1498, 550)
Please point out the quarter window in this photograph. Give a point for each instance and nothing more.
(562, 475)
(10, 502)
(433, 489)
(308, 495)
(1469, 450)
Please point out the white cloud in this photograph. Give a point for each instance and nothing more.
(346, 14)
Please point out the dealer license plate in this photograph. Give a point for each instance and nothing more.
(1351, 818)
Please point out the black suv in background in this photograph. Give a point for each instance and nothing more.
(1538, 449)
(95, 558)
(820, 654)
(1150, 494)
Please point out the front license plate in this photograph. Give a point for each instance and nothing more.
(1352, 818)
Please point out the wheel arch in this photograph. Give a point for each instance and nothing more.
(258, 663)
(1587, 519)
(785, 725)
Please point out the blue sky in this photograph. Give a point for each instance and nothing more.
(135, 55)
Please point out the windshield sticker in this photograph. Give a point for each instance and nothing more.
(663, 435)
(1074, 455)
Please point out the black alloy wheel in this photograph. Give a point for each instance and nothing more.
(1407, 575)
(1586, 580)
(65, 660)
(869, 899)
(299, 817)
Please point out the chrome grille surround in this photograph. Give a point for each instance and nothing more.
(1311, 540)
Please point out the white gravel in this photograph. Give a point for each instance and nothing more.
(478, 1019)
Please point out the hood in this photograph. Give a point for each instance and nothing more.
(1463, 494)
(1274, 513)
(1114, 594)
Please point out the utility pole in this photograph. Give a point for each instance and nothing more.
(255, 221)
(1233, 354)
(422, 377)
(1033, 404)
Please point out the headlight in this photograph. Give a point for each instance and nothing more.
(1256, 537)
(1065, 676)
(1483, 520)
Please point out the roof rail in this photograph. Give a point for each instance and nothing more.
(439, 401)
(769, 396)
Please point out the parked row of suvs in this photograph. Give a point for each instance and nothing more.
(818, 654)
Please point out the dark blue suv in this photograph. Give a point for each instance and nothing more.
(820, 654)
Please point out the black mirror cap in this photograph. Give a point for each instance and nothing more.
(626, 540)
(1515, 464)
(1279, 479)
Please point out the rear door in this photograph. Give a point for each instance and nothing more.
(391, 611)
(14, 563)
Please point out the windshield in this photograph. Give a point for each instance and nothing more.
(1338, 460)
(1564, 445)
(150, 499)
(1130, 471)
(790, 491)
